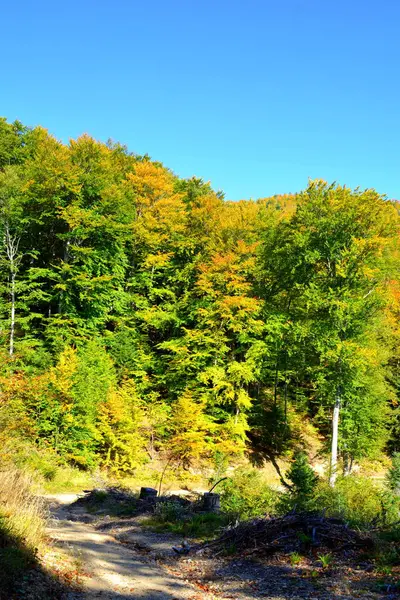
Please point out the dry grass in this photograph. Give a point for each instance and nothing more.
(22, 513)
(22, 528)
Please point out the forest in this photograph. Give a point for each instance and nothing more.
(143, 315)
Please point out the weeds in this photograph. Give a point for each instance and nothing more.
(168, 512)
(295, 558)
(201, 526)
(326, 560)
(22, 514)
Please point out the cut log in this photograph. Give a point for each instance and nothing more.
(147, 492)
(211, 502)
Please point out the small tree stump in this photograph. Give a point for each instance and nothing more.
(211, 502)
(146, 492)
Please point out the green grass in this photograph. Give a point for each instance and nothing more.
(201, 526)
(68, 479)
(295, 558)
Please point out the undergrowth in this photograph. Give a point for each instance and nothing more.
(22, 520)
(246, 495)
(202, 526)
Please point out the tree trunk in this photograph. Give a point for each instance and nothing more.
(335, 437)
(12, 324)
(12, 245)
(347, 464)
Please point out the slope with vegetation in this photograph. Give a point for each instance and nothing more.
(144, 320)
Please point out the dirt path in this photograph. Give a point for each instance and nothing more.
(142, 566)
(111, 569)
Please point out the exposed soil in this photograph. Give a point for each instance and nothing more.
(111, 569)
(120, 558)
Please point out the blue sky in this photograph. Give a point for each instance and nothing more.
(254, 95)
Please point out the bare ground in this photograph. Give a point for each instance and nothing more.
(108, 568)
(119, 558)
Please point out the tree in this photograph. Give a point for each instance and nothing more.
(11, 223)
(326, 263)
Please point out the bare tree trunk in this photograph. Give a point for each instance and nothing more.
(12, 324)
(12, 245)
(335, 438)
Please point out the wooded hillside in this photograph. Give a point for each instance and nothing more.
(142, 314)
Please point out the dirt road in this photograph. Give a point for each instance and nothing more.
(110, 569)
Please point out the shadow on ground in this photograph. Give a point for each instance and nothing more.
(243, 579)
(113, 570)
(21, 575)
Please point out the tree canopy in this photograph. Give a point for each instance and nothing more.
(141, 313)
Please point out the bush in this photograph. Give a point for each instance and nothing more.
(302, 477)
(246, 495)
(168, 512)
(303, 483)
(358, 500)
(393, 474)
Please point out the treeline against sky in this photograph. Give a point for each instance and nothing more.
(143, 315)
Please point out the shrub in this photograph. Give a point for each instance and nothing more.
(301, 476)
(358, 500)
(393, 474)
(168, 511)
(246, 495)
(303, 483)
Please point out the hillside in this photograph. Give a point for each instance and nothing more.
(149, 328)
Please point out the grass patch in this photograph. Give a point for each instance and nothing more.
(68, 479)
(202, 526)
(22, 519)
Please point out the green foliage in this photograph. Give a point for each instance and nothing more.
(303, 482)
(295, 559)
(393, 474)
(301, 476)
(141, 315)
(167, 512)
(326, 560)
(359, 501)
(170, 517)
(246, 495)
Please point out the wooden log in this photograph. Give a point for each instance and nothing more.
(147, 492)
(211, 502)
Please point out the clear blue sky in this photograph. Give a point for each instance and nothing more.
(254, 95)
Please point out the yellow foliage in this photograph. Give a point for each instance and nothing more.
(191, 428)
(61, 376)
